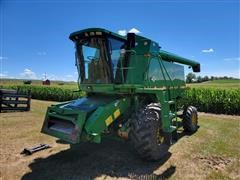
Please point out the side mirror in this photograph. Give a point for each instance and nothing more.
(130, 40)
(196, 68)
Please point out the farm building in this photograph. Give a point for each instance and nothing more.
(46, 82)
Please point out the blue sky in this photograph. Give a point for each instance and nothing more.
(34, 35)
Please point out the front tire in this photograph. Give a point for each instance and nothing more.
(146, 133)
(190, 119)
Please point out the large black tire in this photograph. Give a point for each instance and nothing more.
(146, 133)
(190, 119)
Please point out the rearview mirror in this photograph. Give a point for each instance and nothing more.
(130, 40)
(196, 68)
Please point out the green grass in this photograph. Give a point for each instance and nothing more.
(212, 151)
(220, 134)
(222, 83)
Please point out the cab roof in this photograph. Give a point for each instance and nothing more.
(88, 30)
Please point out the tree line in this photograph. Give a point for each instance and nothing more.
(192, 78)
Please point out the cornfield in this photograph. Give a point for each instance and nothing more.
(48, 93)
(218, 101)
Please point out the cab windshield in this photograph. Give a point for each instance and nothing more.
(98, 59)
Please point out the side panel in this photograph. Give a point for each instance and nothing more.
(138, 62)
(104, 116)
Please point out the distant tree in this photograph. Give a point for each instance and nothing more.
(199, 79)
(190, 77)
(27, 82)
(205, 78)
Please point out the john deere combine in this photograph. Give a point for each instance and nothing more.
(132, 89)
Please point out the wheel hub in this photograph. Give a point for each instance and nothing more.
(194, 118)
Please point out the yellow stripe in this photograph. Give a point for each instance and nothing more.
(116, 113)
(109, 120)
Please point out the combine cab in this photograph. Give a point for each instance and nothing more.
(132, 89)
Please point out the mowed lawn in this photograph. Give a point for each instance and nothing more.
(213, 152)
(221, 83)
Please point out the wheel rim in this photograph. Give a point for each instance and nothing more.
(194, 118)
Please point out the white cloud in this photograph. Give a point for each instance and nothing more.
(2, 75)
(28, 74)
(2, 58)
(231, 73)
(232, 59)
(134, 30)
(6, 75)
(69, 76)
(208, 50)
(53, 77)
(41, 53)
(123, 32)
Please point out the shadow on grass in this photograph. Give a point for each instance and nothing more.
(88, 160)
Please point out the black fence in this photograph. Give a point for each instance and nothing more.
(12, 100)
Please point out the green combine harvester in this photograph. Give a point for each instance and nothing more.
(133, 89)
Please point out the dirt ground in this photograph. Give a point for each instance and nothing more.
(211, 153)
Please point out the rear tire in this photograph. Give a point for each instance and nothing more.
(146, 134)
(190, 119)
